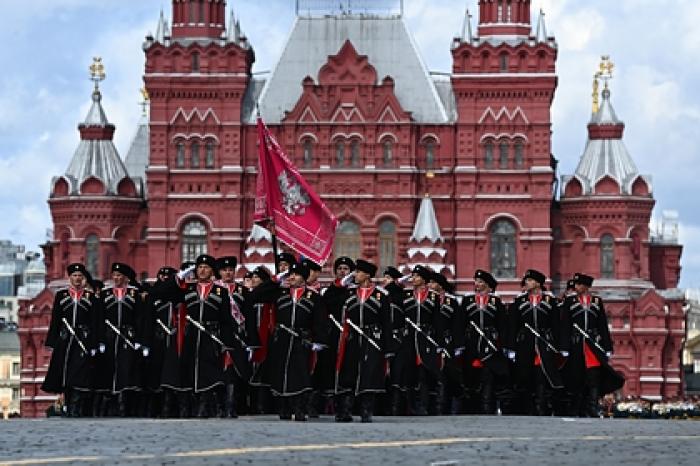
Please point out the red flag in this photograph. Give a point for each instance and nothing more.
(301, 219)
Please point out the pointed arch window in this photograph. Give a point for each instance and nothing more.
(503, 251)
(503, 62)
(209, 158)
(339, 153)
(355, 153)
(194, 240)
(348, 241)
(488, 154)
(308, 152)
(92, 254)
(607, 256)
(195, 62)
(503, 154)
(429, 153)
(194, 161)
(387, 244)
(388, 151)
(180, 155)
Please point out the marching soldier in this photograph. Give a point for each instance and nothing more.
(585, 339)
(208, 331)
(285, 261)
(72, 337)
(314, 284)
(259, 305)
(161, 314)
(392, 281)
(419, 358)
(314, 272)
(480, 329)
(124, 330)
(534, 322)
(364, 346)
(299, 319)
(237, 367)
(332, 297)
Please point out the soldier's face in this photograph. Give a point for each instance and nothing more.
(434, 286)
(417, 280)
(204, 272)
(480, 285)
(255, 281)
(361, 277)
(119, 279)
(342, 271)
(295, 279)
(581, 289)
(313, 276)
(283, 266)
(228, 274)
(77, 279)
(163, 277)
(531, 284)
(248, 282)
(386, 279)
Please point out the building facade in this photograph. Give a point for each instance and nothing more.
(454, 170)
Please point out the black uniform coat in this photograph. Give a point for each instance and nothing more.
(287, 368)
(245, 333)
(415, 350)
(70, 367)
(543, 318)
(119, 368)
(163, 339)
(362, 367)
(594, 322)
(333, 298)
(201, 361)
(492, 320)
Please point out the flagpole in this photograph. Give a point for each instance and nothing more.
(273, 234)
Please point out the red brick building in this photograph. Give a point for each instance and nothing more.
(455, 171)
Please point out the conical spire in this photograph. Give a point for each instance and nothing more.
(426, 227)
(232, 28)
(161, 28)
(96, 115)
(541, 32)
(467, 35)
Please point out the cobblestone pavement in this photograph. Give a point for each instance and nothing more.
(388, 441)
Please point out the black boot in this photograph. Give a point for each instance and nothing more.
(96, 403)
(122, 405)
(285, 409)
(541, 405)
(593, 408)
(367, 407)
(299, 403)
(422, 400)
(487, 405)
(74, 400)
(203, 405)
(312, 404)
(231, 401)
(396, 402)
(165, 402)
(183, 405)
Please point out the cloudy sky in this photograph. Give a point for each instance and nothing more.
(49, 44)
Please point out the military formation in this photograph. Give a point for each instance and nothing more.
(197, 343)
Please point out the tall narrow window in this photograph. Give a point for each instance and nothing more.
(488, 154)
(180, 155)
(519, 156)
(509, 11)
(348, 241)
(195, 62)
(194, 240)
(429, 154)
(193, 11)
(503, 154)
(195, 155)
(308, 149)
(503, 258)
(92, 254)
(387, 152)
(503, 62)
(201, 11)
(387, 244)
(607, 256)
(209, 160)
(500, 11)
(355, 153)
(340, 153)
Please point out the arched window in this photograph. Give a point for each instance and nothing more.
(348, 241)
(488, 154)
(387, 244)
(201, 11)
(509, 12)
(503, 258)
(195, 62)
(355, 153)
(92, 254)
(519, 154)
(607, 256)
(500, 11)
(388, 152)
(503, 154)
(180, 155)
(194, 162)
(209, 160)
(429, 153)
(194, 240)
(308, 152)
(340, 153)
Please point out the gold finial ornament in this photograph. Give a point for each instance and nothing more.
(97, 70)
(596, 93)
(605, 74)
(145, 100)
